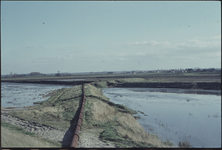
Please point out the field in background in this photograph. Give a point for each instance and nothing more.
(152, 77)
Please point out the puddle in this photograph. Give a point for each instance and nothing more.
(175, 114)
(22, 95)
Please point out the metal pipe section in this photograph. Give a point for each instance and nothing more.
(78, 126)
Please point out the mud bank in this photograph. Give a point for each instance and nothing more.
(182, 85)
(118, 83)
(48, 82)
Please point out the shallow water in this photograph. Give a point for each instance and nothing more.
(175, 115)
(25, 94)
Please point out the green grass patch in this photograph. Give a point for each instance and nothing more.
(100, 84)
(110, 134)
(15, 128)
(18, 130)
(57, 111)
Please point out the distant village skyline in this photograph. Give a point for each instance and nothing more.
(183, 70)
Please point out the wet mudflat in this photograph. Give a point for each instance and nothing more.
(175, 114)
(23, 95)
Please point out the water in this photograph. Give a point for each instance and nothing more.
(175, 114)
(25, 94)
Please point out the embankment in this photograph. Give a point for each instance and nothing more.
(112, 124)
(115, 122)
(49, 82)
(183, 82)
(182, 85)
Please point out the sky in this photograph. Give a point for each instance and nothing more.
(86, 36)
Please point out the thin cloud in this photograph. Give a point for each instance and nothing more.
(197, 47)
(218, 37)
(150, 43)
(64, 57)
(52, 59)
(199, 44)
(122, 58)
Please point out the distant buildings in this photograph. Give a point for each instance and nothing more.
(34, 73)
(170, 71)
(110, 72)
(58, 75)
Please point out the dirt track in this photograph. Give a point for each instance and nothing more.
(41, 130)
(88, 139)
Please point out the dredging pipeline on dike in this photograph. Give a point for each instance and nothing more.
(75, 139)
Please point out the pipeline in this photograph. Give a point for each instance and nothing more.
(78, 126)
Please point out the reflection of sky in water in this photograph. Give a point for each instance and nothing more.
(20, 95)
(177, 117)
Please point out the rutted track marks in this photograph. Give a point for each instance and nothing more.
(43, 131)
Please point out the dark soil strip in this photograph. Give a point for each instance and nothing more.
(182, 85)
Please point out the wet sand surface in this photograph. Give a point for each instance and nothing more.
(21, 95)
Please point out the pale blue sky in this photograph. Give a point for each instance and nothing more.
(109, 36)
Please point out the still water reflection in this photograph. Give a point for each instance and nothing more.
(175, 114)
(21, 95)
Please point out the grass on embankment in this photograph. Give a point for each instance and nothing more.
(117, 122)
(13, 136)
(57, 111)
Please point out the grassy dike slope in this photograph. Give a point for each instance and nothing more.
(118, 125)
(117, 122)
(58, 111)
(13, 136)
